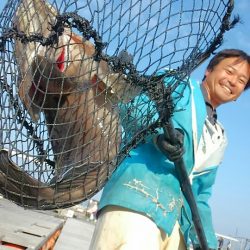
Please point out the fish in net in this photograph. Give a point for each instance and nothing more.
(72, 74)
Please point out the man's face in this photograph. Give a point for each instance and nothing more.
(227, 80)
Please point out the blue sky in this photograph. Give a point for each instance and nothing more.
(231, 201)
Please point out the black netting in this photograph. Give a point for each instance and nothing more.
(80, 88)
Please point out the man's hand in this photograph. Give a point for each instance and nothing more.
(173, 152)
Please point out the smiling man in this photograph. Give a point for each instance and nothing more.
(226, 77)
(142, 206)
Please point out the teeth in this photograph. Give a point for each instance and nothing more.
(227, 89)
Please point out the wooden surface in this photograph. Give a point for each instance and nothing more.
(28, 228)
(76, 235)
(33, 229)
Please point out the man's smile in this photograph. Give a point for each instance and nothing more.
(228, 90)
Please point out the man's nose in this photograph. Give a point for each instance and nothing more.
(233, 80)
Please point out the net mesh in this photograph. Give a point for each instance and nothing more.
(80, 88)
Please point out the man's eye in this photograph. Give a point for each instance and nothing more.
(242, 82)
(229, 71)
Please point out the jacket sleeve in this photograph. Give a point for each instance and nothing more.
(202, 183)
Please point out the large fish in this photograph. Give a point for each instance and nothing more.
(74, 93)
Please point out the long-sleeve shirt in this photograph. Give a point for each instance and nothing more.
(146, 180)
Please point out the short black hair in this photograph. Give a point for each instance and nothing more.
(227, 53)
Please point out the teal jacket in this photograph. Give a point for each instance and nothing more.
(146, 181)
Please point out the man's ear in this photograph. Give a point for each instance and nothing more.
(207, 72)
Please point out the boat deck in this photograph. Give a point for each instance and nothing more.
(31, 229)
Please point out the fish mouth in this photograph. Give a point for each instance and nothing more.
(32, 97)
(36, 92)
(37, 99)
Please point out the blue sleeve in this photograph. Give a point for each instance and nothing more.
(141, 112)
(202, 189)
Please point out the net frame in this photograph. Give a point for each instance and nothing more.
(114, 45)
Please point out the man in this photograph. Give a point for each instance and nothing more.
(142, 206)
(229, 244)
(220, 243)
